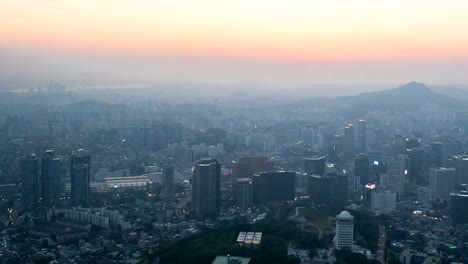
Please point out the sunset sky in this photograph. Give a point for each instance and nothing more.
(262, 41)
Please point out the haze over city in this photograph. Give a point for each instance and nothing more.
(233, 132)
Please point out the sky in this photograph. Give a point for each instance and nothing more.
(272, 42)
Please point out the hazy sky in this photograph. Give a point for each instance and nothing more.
(243, 41)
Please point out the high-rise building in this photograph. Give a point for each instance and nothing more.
(416, 166)
(441, 182)
(244, 189)
(274, 186)
(247, 166)
(412, 143)
(80, 177)
(362, 168)
(315, 165)
(459, 208)
(344, 230)
(30, 181)
(168, 183)
(206, 188)
(329, 190)
(50, 174)
(460, 162)
(383, 202)
(361, 136)
(348, 143)
(396, 173)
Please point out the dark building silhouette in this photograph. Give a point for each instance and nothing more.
(50, 173)
(244, 189)
(315, 165)
(460, 163)
(362, 168)
(247, 166)
(274, 186)
(80, 177)
(459, 208)
(412, 143)
(330, 190)
(168, 183)
(206, 188)
(348, 142)
(30, 187)
(416, 167)
(362, 136)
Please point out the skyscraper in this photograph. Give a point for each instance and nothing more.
(460, 162)
(50, 174)
(396, 173)
(441, 182)
(329, 190)
(244, 192)
(206, 188)
(80, 177)
(362, 168)
(30, 181)
(168, 183)
(383, 202)
(274, 186)
(458, 208)
(348, 144)
(344, 230)
(361, 136)
(315, 165)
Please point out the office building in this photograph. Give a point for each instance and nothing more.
(30, 187)
(328, 190)
(247, 166)
(348, 142)
(362, 168)
(459, 208)
(168, 183)
(274, 186)
(206, 188)
(50, 174)
(441, 182)
(383, 202)
(315, 165)
(80, 178)
(396, 173)
(344, 230)
(362, 136)
(244, 189)
(460, 163)
(416, 164)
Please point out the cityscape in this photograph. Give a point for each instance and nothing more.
(233, 132)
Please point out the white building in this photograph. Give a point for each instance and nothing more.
(441, 182)
(383, 202)
(344, 230)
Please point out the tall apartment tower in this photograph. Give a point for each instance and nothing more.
(50, 173)
(348, 143)
(168, 183)
(80, 177)
(344, 230)
(30, 187)
(361, 136)
(206, 188)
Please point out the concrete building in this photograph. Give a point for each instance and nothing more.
(348, 142)
(244, 189)
(206, 188)
(362, 136)
(29, 181)
(459, 208)
(315, 165)
(396, 173)
(274, 186)
(441, 182)
(247, 166)
(344, 230)
(80, 178)
(383, 202)
(50, 174)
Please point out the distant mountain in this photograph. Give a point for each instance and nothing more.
(409, 97)
(455, 92)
